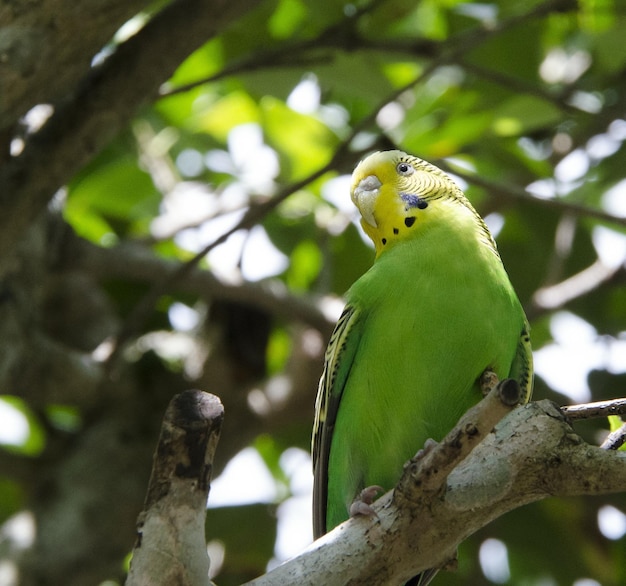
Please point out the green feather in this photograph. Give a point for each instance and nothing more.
(420, 327)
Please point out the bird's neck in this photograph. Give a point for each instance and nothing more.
(446, 224)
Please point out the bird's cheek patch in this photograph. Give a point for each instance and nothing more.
(413, 201)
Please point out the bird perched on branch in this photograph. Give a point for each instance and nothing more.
(404, 362)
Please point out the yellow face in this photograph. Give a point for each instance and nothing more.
(393, 192)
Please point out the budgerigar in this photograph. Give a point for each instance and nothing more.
(433, 313)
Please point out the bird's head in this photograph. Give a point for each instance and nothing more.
(395, 193)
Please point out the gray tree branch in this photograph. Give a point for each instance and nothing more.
(595, 409)
(46, 48)
(138, 263)
(532, 454)
(104, 104)
(170, 546)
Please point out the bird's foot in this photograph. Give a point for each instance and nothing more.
(429, 444)
(488, 380)
(362, 505)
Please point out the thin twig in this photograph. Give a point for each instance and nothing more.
(136, 262)
(339, 35)
(517, 193)
(616, 439)
(255, 213)
(521, 86)
(595, 410)
(144, 307)
(590, 279)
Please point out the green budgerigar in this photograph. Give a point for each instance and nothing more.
(433, 313)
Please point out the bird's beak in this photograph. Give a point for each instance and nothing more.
(364, 196)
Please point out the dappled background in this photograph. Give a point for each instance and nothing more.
(175, 213)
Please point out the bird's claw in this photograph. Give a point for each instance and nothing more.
(488, 380)
(429, 444)
(362, 505)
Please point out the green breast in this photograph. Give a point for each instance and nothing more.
(437, 311)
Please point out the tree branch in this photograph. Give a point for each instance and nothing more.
(138, 263)
(46, 48)
(428, 472)
(522, 86)
(516, 193)
(533, 453)
(170, 547)
(343, 36)
(591, 278)
(257, 212)
(446, 493)
(104, 105)
(254, 214)
(616, 439)
(595, 410)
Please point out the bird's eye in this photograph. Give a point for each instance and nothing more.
(404, 169)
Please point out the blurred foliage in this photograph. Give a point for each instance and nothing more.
(509, 96)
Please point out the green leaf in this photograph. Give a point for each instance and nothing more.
(615, 422)
(278, 350)
(524, 114)
(113, 192)
(596, 15)
(306, 262)
(223, 115)
(287, 19)
(205, 61)
(354, 77)
(610, 50)
(304, 143)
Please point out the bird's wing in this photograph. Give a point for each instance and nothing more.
(522, 367)
(338, 362)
